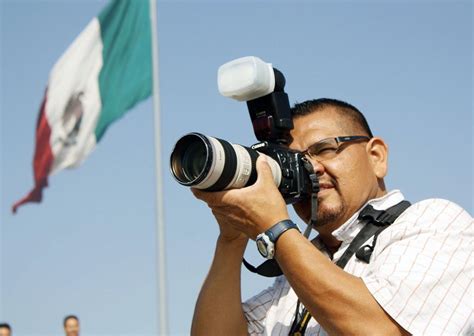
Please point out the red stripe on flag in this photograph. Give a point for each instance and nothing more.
(42, 161)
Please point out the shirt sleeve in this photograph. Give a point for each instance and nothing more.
(421, 269)
(256, 308)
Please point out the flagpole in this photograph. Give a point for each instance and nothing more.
(160, 226)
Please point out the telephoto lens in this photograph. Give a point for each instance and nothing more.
(213, 164)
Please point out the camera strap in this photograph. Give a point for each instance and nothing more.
(270, 268)
(313, 178)
(376, 222)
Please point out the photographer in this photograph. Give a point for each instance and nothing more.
(417, 280)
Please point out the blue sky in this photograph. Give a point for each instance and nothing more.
(89, 248)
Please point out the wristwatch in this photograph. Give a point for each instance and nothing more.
(266, 240)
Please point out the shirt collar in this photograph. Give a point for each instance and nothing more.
(347, 231)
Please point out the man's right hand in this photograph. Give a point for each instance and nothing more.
(227, 233)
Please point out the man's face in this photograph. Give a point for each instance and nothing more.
(4, 332)
(348, 180)
(71, 327)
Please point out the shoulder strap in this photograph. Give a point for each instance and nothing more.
(367, 231)
(376, 222)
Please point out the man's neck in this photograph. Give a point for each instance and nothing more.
(330, 242)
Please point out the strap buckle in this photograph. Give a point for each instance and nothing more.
(378, 217)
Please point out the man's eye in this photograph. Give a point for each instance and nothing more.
(325, 150)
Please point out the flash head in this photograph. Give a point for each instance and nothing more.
(245, 78)
(262, 86)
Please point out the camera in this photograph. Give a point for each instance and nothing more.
(213, 164)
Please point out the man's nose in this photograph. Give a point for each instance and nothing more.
(317, 166)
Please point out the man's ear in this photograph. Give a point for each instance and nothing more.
(377, 150)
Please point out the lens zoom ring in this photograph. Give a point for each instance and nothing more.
(230, 167)
(253, 157)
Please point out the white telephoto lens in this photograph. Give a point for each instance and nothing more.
(245, 78)
(213, 164)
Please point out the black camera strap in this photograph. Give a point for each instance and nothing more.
(314, 195)
(376, 222)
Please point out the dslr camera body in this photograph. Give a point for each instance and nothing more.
(213, 164)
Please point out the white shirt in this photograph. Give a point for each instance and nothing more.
(420, 272)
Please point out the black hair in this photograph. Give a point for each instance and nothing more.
(346, 109)
(70, 317)
(6, 326)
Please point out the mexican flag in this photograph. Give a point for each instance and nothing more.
(104, 73)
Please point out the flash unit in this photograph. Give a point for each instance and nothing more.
(245, 78)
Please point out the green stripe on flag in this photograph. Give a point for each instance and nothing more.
(126, 75)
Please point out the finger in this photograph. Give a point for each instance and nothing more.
(196, 192)
(264, 172)
(211, 198)
(205, 196)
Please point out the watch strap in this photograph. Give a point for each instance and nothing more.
(279, 228)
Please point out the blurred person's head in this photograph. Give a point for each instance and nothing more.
(5, 329)
(71, 325)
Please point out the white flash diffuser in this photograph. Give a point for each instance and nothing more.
(246, 78)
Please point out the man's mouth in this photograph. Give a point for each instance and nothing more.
(325, 186)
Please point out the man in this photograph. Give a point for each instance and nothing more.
(418, 278)
(71, 325)
(5, 329)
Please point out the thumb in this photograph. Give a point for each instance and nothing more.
(264, 172)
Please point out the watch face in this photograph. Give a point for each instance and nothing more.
(262, 248)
